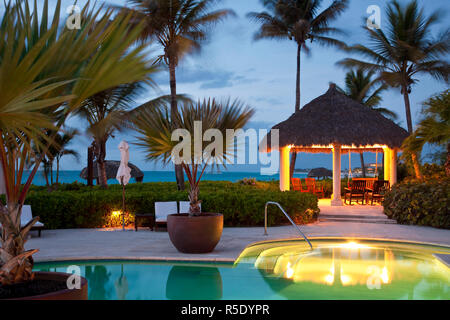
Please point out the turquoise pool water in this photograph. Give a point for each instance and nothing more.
(335, 269)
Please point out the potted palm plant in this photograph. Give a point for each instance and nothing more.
(197, 124)
(45, 74)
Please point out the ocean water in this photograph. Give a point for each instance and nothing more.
(162, 176)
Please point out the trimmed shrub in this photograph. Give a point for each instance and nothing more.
(424, 203)
(242, 205)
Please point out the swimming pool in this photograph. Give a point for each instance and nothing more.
(335, 269)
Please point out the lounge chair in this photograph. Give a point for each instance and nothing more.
(27, 216)
(297, 185)
(162, 210)
(378, 191)
(356, 190)
(313, 188)
(185, 205)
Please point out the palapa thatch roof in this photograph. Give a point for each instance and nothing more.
(320, 173)
(111, 170)
(334, 118)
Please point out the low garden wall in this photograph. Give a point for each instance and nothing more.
(78, 206)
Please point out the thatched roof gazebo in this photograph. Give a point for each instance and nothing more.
(320, 173)
(334, 123)
(111, 171)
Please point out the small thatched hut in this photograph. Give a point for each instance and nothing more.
(111, 171)
(334, 123)
(320, 173)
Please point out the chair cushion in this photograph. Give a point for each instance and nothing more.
(185, 206)
(164, 209)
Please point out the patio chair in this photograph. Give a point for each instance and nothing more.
(313, 187)
(185, 205)
(297, 185)
(357, 190)
(150, 218)
(378, 191)
(27, 216)
(369, 181)
(162, 210)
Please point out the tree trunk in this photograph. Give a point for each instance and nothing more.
(297, 87)
(57, 171)
(297, 104)
(292, 165)
(194, 208)
(363, 167)
(16, 264)
(414, 157)
(179, 175)
(51, 172)
(447, 164)
(407, 110)
(46, 177)
(101, 166)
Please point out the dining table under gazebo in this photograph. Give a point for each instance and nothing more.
(334, 123)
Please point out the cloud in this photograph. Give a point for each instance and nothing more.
(205, 78)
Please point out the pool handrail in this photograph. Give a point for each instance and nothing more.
(287, 216)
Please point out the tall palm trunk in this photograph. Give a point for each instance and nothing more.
(46, 176)
(101, 166)
(297, 89)
(16, 264)
(179, 175)
(414, 157)
(57, 171)
(297, 104)
(51, 172)
(363, 166)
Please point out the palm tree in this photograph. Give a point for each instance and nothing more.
(45, 73)
(156, 126)
(434, 128)
(179, 26)
(55, 151)
(362, 87)
(105, 113)
(300, 21)
(404, 51)
(62, 141)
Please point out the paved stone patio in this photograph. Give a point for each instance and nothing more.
(83, 244)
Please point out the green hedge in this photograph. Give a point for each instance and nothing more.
(77, 206)
(424, 203)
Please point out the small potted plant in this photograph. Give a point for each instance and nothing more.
(202, 128)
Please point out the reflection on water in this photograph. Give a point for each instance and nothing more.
(182, 281)
(284, 270)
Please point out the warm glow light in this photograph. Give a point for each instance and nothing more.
(116, 213)
(289, 271)
(345, 279)
(385, 275)
(330, 277)
(352, 245)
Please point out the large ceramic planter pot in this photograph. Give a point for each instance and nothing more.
(195, 234)
(64, 294)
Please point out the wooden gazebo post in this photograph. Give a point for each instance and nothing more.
(387, 163)
(336, 199)
(393, 167)
(285, 173)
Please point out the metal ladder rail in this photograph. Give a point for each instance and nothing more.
(287, 216)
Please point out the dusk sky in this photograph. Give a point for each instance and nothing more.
(262, 74)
